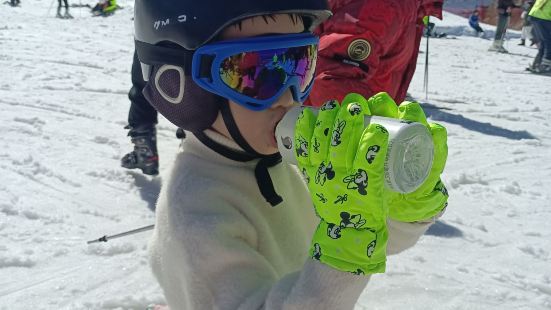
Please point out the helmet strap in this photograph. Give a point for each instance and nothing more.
(262, 175)
(236, 135)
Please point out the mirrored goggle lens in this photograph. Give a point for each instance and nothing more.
(262, 74)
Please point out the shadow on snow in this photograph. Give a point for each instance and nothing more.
(439, 114)
(441, 229)
(148, 187)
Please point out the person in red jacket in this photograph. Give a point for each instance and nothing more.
(370, 46)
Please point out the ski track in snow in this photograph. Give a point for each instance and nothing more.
(63, 97)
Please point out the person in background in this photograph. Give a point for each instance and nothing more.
(526, 24)
(474, 23)
(540, 16)
(503, 15)
(104, 8)
(142, 121)
(59, 5)
(366, 52)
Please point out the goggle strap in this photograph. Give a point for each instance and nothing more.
(159, 55)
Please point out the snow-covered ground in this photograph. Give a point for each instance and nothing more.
(455, 25)
(63, 105)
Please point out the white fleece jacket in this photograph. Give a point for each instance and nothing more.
(218, 244)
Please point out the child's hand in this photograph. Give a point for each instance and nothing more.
(344, 170)
(431, 197)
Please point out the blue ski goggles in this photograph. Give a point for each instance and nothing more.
(255, 72)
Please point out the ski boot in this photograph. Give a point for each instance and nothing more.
(144, 156)
(544, 67)
(497, 46)
(67, 15)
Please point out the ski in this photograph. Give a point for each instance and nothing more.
(521, 55)
(526, 71)
(66, 16)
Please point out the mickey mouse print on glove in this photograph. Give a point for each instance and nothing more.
(343, 164)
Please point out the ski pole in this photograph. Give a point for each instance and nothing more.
(50, 8)
(130, 232)
(426, 77)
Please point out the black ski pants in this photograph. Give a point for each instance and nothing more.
(141, 113)
(477, 28)
(501, 29)
(542, 30)
(59, 5)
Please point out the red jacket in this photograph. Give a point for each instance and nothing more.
(370, 46)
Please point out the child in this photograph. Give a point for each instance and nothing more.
(235, 225)
(104, 8)
(473, 22)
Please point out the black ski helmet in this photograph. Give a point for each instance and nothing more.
(192, 23)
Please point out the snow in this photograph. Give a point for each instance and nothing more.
(63, 102)
(455, 25)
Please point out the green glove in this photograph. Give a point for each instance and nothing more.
(346, 185)
(431, 197)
